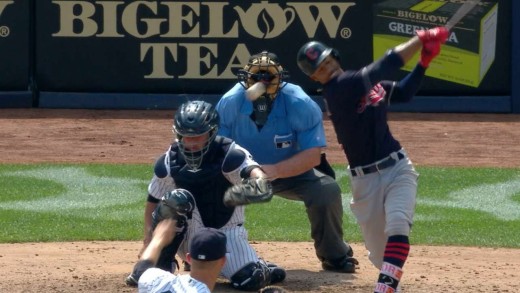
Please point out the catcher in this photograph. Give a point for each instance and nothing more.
(206, 166)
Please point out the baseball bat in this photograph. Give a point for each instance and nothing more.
(460, 13)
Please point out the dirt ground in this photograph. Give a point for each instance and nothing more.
(45, 135)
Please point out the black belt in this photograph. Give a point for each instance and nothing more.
(388, 162)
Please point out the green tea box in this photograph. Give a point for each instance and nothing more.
(470, 49)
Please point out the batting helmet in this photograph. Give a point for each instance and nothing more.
(192, 119)
(263, 67)
(312, 54)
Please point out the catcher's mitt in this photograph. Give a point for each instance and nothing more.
(251, 190)
(177, 204)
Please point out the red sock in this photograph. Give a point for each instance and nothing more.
(396, 252)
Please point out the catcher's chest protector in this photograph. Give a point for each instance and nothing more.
(207, 185)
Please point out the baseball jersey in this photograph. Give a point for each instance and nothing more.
(208, 184)
(358, 104)
(294, 124)
(220, 168)
(155, 280)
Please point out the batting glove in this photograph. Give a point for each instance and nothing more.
(429, 51)
(439, 34)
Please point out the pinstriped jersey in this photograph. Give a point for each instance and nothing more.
(155, 280)
(208, 184)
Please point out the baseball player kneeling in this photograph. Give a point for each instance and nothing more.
(220, 176)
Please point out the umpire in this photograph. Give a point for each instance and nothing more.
(282, 127)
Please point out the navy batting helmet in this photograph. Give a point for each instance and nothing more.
(312, 54)
(195, 118)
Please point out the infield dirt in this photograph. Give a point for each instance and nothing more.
(127, 136)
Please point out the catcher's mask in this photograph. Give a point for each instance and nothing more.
(263, 67)
(198, 121)
(312, 54)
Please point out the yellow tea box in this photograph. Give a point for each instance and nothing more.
(470, 49)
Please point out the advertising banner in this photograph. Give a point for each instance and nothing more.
(14, 45)
(196, 47)
(470, 50)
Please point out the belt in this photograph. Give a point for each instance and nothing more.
(388, 162)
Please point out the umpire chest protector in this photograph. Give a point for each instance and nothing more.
(207, 184)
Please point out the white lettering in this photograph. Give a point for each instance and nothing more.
(182, 19)
(200, 60)
(325, 14)
(410, 29)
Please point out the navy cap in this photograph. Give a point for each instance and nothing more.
(208, 244)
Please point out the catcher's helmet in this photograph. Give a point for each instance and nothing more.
(312, 54)
(192, 119)
(263, 67)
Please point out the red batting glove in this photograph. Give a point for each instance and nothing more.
(429, 51)
(439, 34)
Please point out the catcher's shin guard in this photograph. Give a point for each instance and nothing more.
(251, 277)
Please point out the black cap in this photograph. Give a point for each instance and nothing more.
(208, 244)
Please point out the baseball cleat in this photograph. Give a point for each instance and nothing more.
(277, 273)
(131, 281)
(346, 265)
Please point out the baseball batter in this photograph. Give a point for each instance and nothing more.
(207, 166)
(384, 181)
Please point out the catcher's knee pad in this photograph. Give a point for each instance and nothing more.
(251, 277)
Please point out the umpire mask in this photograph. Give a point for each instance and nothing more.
(262, 77)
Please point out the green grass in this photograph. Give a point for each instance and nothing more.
(68, 202)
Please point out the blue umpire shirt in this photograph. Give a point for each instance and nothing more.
(294, 124)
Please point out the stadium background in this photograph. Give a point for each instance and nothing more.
(157, 54)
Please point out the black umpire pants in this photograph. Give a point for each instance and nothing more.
(322, 198)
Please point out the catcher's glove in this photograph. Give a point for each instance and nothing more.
(251, 190)
(177, 204)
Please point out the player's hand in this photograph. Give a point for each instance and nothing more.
(429, 51)
(439, 34)
(376, 95)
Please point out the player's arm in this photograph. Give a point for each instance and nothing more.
(407, 50)
(295, 165)
(151, 204)
(162, 236)
(306, 120)
(388, 65)
(250, 184)
(404, 90)
(161, 183)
